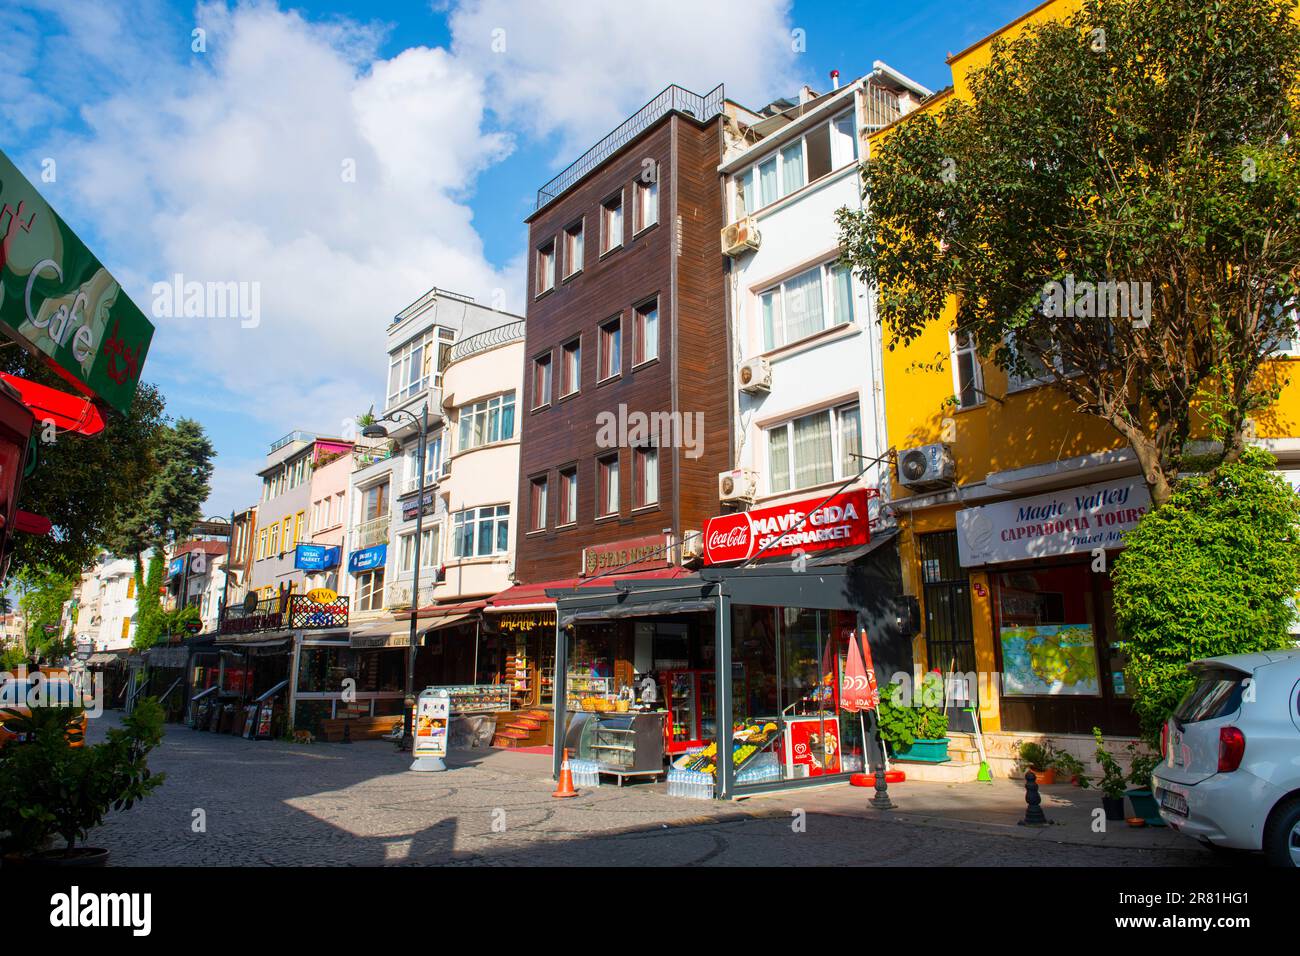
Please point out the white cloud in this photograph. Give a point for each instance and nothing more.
(228, 165)
(580, 68)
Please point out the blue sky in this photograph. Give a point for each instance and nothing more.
(230, 163)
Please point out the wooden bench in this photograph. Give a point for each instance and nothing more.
(359, 728)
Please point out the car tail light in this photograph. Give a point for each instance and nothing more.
(1232, 747)
(1164, 741)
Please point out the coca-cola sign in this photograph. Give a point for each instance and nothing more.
(818, 524)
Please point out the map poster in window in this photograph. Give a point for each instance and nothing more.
(1049, 660)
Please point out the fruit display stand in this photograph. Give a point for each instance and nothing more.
(754, 738)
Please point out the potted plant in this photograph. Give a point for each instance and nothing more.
(50, 785)
(1113, 782)
(1070, 767)
(1141, 765)
(916, 731)
(1036, 757)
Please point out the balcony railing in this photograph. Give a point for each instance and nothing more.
(292, 437)
(674, 98)
(284, 612)
(374, 531)
(501, 335)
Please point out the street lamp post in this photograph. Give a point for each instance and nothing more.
(377, 430)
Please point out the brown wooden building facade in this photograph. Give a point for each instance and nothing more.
(625, 315)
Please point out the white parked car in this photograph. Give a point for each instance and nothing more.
(1231, 770)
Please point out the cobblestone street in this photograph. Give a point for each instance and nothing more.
(272, 803)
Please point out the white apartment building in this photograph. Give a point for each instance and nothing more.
(806, 357)
(383, 491)
(106, 613)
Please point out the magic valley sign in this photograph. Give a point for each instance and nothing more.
(59, 302)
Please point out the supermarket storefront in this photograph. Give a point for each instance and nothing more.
(645, 665)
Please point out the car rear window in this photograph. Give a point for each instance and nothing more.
(1217, 693)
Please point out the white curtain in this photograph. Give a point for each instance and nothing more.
(813, 462)
(850, 441)
(803, 305)
(842, 294)
(791, 168)
(778, 459)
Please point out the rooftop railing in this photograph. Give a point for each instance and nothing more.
(672, 99)
(501, 335)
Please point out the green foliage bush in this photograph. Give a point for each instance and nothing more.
(903, 722)
(48, 786)
(1212, 572)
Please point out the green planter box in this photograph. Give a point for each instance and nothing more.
(1145, 806)
(924, 751)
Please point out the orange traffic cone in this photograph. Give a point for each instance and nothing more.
(565, 789)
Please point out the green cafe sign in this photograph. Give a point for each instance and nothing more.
(58, 301)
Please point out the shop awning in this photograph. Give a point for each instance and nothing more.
(167, 656)
(69, 413)
(102, 658)
(537, 597)
(451, 620)
(445, 610)
(380, 634)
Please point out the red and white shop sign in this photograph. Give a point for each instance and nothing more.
(814, 525)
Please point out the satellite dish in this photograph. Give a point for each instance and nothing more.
(250, 602)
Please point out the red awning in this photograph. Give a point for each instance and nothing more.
(69, 413)
(29, 523)
(523, 595)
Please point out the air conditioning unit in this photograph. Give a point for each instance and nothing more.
(737, 485)
(756, 376)
(739, 237)
(399, 596)
(926, 467)
(692, 546)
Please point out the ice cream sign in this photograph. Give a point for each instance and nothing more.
(58, 301)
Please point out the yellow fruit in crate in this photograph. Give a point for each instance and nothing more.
(769, 728)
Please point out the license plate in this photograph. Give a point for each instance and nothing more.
(1174, 802)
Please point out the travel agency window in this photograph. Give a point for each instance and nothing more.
(1053, 627)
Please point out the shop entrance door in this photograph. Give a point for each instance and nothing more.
(949, 636)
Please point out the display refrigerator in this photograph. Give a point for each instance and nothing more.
(692, 699)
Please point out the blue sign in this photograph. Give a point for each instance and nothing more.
(368, 559)
(176, 567)
(316, 557)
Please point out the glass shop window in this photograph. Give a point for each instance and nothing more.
(1048, 633)
(787, 670)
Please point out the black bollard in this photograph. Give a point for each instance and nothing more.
(881, 799)
(1034, 816)
(347, 731)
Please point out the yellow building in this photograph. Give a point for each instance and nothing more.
(1008, 558)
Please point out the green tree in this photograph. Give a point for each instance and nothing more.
(148, 603)
(42, 592)
(1153, 143)
(172, 500)
(1212, 572)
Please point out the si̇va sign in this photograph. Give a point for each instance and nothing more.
(59, 302)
